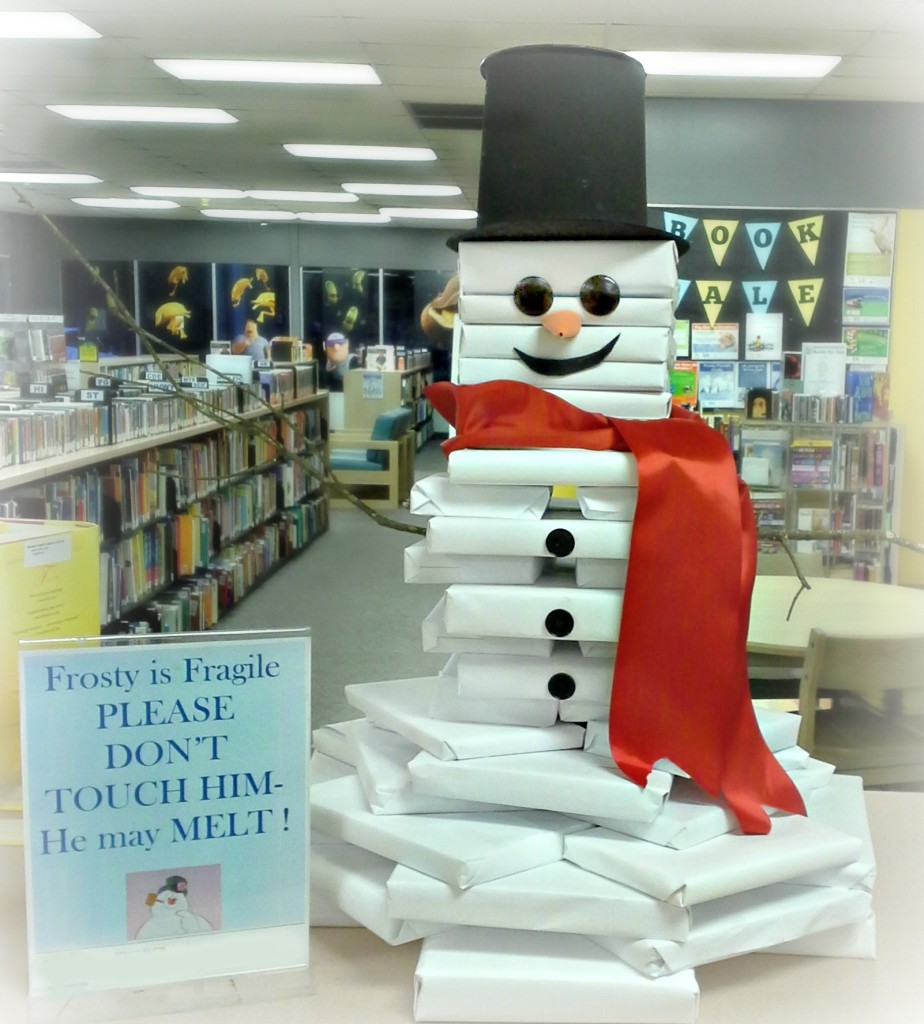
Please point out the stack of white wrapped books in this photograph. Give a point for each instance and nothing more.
(482, 811)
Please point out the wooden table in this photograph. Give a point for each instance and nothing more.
(358, 979)
(834, 605)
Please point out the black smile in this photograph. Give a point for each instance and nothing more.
(564, 367)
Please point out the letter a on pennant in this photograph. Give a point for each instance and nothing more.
(806, 294)
(808, 234)
(720, 234)
(713, 294)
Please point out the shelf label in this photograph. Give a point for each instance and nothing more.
(263, 364)
(152, 375)
(39, 389)
(196, 383)
(93, 395)
(103, 382)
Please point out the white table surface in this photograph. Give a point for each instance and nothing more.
(834, 605)
(355, 977)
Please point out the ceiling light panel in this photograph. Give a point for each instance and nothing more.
(346, 218)
(47, 178)
(127, 204)
(249, 214)
(143, 115)
(336, 152)
(284, 196)
(43, 25)
(423, 213)
(372, 189)
(169, 192)
(270, 71)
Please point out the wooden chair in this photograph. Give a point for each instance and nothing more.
(379, 467)
(872, 682)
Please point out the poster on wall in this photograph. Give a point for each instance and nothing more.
(251, 306)
(165, 808)
(420, 308)
(341, 309)
(88, 308)
(175, 304)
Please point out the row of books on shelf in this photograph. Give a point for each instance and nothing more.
(396, 357)
(197, 602)
(848, 464)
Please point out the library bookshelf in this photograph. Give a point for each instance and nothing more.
(369, 392)
(194, 510)
(827, 476)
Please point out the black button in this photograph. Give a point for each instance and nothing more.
(559, 543)
(559, 622)
(561, 686)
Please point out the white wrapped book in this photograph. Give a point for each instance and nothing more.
(553, 536)
(437, 495)
(423, 566)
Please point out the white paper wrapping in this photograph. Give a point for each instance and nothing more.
(651, 377)
(498, 340)
(436, 639)
(841, 805)
(401, 705)
(461, 849)
(780, 729)
(436, 495)
(333, 740)
(322, 768)
(608, 503)
(622, 405)
(577, 466)
(742, 924)
(569, 781)
(556, 897)
(499, 975)
(455, 535)
(474, 609)
(353, 880)
(720, 867)
(448, 704)
(422, 566)
(642, 268)
(601, 572)
(505, 675)
(382, 758)
(852, 941)
(501, 309)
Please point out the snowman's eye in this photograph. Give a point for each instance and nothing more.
(533, 296)
(599, 295)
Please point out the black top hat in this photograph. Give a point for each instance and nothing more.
(563, 147)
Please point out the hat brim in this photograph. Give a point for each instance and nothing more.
(566, 231)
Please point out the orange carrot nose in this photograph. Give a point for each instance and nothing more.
(564, 323)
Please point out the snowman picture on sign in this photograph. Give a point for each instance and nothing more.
(564, 341)
(170, 916)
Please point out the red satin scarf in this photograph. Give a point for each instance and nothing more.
(680, 687)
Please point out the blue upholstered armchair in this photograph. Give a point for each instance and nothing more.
(379, 467)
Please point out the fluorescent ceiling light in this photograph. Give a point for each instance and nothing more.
(359, 152)
(346, 218)
(249, 214)
(43, 25)
(167, 192)
(735, 65)
(43, 178)
(163, 115)
(372, 189)
(286, 72)
(281, 195)
(423, 213)
(129, 204)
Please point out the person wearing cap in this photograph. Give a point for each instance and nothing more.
(339, 358)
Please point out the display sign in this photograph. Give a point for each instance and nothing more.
(165, 798)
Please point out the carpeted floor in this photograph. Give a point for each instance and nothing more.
(349, 588)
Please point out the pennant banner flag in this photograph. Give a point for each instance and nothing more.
(806, 294)
(763, 238)
(713, 294)
(720, 233)
(759, 294)
(808, 234)
(680, 225)
(682, 285)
